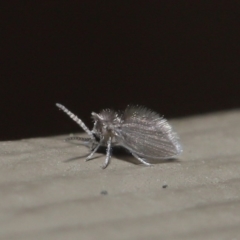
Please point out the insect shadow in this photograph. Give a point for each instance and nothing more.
(122, 154)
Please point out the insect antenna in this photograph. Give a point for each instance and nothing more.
(76, 119)
(84, 141)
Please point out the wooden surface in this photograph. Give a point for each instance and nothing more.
(47, 194)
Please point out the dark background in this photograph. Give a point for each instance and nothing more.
(177, 57)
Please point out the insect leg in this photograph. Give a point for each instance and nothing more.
(94, 150)
(76, 119)
(142, 160)
(109, 149)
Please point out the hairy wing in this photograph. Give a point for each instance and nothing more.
(147, 134)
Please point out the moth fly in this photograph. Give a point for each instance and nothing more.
(140, 130)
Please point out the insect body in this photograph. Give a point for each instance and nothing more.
(142, 131)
